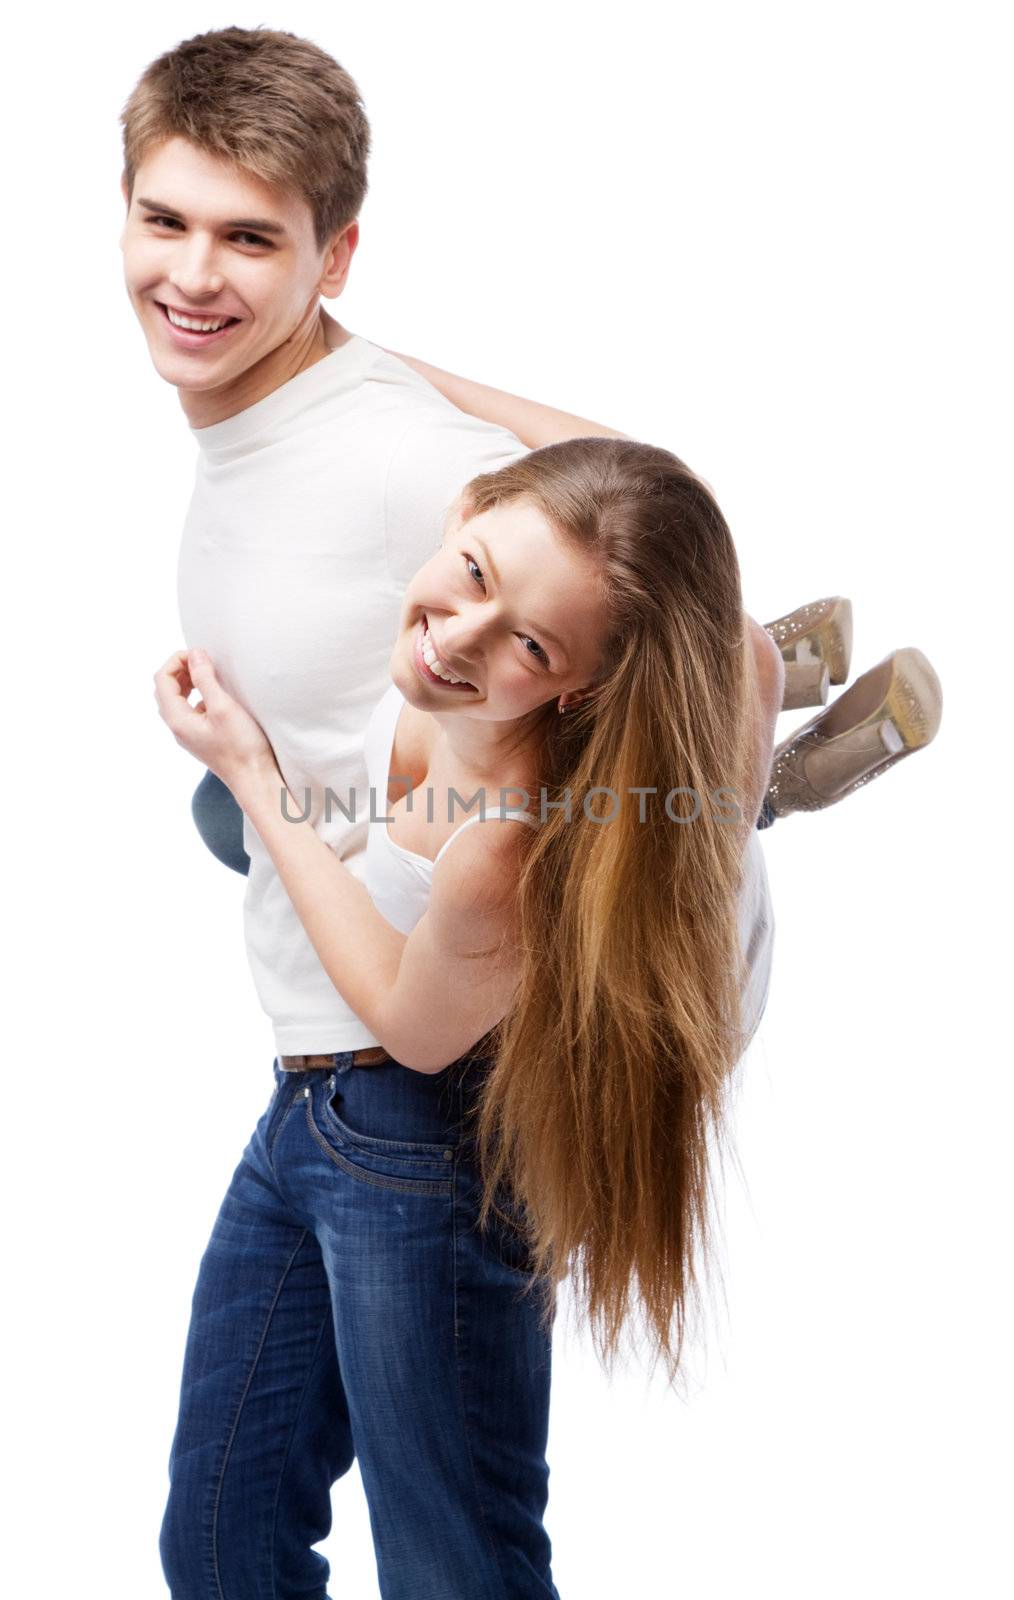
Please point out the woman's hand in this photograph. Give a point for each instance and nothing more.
(218, 731)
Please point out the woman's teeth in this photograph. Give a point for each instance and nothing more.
(432, 660)
(192, 324)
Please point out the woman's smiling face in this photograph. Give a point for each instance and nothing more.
(508, 607)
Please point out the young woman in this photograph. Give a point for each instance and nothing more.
(889, 712)
(559, 1001)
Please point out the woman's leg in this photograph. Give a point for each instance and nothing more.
(444, 1365)
(263, 1428)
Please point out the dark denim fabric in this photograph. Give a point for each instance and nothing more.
(220, 822)
(347, 1307)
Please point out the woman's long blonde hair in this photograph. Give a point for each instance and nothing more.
(608, 1072)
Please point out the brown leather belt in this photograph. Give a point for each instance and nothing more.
(369, 1056)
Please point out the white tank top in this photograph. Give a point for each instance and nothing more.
(399, 880)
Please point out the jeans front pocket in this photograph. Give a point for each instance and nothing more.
(406, 1165)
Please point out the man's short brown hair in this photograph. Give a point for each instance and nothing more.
(269, 102)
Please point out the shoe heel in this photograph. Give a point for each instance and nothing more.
(892, 710)
(914, 698)
(820, 631)
(806, 684)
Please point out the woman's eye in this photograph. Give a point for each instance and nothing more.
(538, 652)
(538, 649)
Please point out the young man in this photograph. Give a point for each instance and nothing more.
(325, 1328)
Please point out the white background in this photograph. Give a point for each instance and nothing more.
(772, 237)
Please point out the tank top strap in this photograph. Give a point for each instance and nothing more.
(498, 811)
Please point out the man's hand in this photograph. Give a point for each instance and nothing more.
(217, 730)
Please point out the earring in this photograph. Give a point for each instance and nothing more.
(561, 709)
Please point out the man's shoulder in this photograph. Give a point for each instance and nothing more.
(398, 389)
(436, 452)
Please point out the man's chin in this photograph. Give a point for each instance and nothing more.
(194, 376)
(198, 371)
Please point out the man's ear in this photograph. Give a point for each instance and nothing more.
(338, 259)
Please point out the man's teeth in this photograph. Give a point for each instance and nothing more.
(192, 324)
(429, 655)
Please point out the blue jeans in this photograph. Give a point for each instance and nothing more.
(220, 822)
(348, 1308)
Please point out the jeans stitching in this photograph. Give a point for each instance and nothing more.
(435, 1187)
(281, 1124)
(396, 1147)
(239, 1412)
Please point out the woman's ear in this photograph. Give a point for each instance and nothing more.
(570, 702)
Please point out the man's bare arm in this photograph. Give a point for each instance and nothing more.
(534, 424)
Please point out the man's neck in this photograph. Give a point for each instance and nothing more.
(312, 341)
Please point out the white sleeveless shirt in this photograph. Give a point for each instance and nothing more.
(399, 880)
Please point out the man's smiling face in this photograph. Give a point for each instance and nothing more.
(209, 243)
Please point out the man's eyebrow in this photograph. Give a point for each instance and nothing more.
(537, 630)
(254, 224)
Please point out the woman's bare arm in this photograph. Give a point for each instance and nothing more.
(427, 995)
(534, 424)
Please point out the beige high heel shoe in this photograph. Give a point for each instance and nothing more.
(893, 709)
(815, 642)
